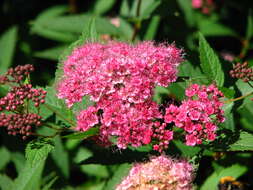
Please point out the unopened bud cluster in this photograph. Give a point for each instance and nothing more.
(20, 123)
(15, 114)
(242, 71)
(16, 74)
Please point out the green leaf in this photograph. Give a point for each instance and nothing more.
(5, 182)
(50, 183)
(102, 6)
(100, 171)
(90, 32)
(229, 122)
(210, 63)
(244, 143)
(186, 151)
(38, 150)
(30, 177)
(7, 46)
(19, 160)
(186, 7)
(210, 27)
(152, 28)
(5, 157)
(249, 30)
(83, 135)
(118, 176)
(124, 8)
(213, 180)
(146, 8)
(60, 157)
(51, 53)
(54, 104)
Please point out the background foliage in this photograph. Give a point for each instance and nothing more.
(40, 33)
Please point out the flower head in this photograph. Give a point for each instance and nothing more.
(161, 173)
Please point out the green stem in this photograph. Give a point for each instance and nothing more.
(239, 98)
(59, 114)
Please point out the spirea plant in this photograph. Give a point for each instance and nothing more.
(127, 112)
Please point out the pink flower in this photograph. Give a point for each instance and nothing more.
(161, 173)
(87, 119)
(197, 4)
(198, 114)
(120, 79)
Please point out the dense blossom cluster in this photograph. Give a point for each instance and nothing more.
(20, 123)
(242, 71)
(18, 94)
(199, 114)
(161, 173)
(120, 79)
(20, 120)
(16, 74)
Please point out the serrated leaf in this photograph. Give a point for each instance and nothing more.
(102, 6)
(213, 180)
(5, 182)
(118, 176)
(60, 157)
(244, 143)
(209, 62)
(83, 135)
(7, 46)
(5, 157)
(38, 150)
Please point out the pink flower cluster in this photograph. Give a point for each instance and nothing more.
(199, 114)
(161, 173)
(120, 79)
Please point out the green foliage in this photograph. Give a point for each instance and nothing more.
(117, 177)
(244, 143)
(8, 42)
(5, 182)
(60, 156)
(83, 135)
(210, 63)
(213, 180)
(37, 150)
(5, 157)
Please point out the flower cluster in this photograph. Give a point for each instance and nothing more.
(20, 123)
(161, 173)
(198, 115)
(18, 94)
(242, 71)
(120, 79)
(16, 74)
(15, 114)
(206, 6)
